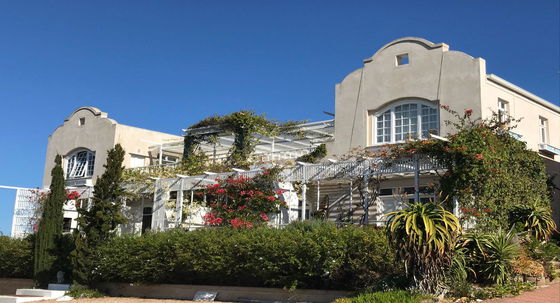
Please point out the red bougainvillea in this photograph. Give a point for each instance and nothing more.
(73, 195)
(243, 202)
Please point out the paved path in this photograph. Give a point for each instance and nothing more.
(548, 294)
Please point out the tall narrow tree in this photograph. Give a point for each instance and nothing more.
(98, 222)
(50, 227)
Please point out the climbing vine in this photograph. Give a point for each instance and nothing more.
(488, 170)
(245, 126)
(315, 155)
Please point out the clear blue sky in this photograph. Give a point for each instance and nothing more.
(164, 65)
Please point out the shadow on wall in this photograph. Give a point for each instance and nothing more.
(553, 170)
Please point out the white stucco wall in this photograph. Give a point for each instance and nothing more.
(434, 74)
(137, 141)
(98, 134)
(526, 106)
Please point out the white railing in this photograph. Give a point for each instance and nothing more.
(313, 172)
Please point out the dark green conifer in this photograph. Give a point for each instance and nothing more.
(50, 227)
(97, 223)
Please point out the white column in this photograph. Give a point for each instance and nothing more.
(179, 204)
(318, 195)
(350, 202)
(303, 200)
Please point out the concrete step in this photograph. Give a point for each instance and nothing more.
(54, 286)
(45, 293)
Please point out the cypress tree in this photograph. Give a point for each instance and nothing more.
(50, 227)
(98, 223)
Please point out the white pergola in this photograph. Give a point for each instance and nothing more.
(281, 147)
(303, 173)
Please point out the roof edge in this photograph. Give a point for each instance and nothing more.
(94, 110)
(423, 42)
(521, 91)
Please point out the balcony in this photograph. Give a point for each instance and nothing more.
(549, 149)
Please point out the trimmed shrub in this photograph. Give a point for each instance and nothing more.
(16, 257)
(303, 255)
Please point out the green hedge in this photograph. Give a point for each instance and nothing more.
(16, 258)
(303, 255)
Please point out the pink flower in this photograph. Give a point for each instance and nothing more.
(209, 218)
(264, 217)
(73, 195)
(468, 112)
(220, 191)
(270, 198)
(266, 172)
(479, 156)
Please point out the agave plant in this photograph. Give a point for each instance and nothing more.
(492, 255)
(535, 219)
(424, 235)
(501, 249)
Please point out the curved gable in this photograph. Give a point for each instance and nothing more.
(414, 40)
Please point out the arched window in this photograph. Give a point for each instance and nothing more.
(80, 164)
(405, 120)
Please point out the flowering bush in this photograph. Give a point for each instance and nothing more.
(73, 195)
(39, 198)
(243, 202)
(488, 170)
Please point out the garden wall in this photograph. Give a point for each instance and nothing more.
(225, 293)
(8, 286)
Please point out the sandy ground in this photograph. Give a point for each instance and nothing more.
(125, 300)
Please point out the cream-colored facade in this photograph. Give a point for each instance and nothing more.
(397, 94)
(416, 72)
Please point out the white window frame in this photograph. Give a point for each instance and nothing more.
(137, 161)
(543, 130)
(503, 110)
(392, 131)
(82, 169)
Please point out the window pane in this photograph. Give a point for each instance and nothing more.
(80, 164)
(407, 116)
(384, 127)
(429, 120)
